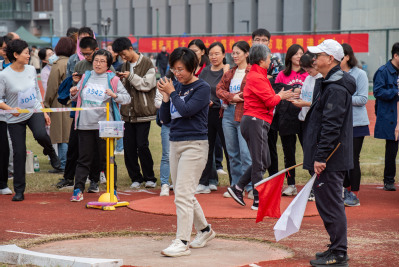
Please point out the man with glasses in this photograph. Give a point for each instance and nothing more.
(328, 124)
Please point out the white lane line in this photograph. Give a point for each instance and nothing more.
(23, 233)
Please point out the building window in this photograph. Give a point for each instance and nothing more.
(43, 5)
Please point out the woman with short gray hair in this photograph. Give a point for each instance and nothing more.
(258, 52)
(259, 102)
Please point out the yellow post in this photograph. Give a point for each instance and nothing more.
(111, 171)
(108, 151)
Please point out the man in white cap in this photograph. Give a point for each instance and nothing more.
(328, 124)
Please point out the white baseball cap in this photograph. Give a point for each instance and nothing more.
(330, 47)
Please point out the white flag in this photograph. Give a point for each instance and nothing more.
(290, 221)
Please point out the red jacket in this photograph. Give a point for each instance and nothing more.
(259, 96)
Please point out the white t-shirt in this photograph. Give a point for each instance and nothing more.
(307, 93)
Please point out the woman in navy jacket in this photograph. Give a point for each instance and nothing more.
(386, 93)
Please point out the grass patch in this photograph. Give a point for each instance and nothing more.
(372, 164)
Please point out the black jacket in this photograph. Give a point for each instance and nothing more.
(162, 60)
(329, 122)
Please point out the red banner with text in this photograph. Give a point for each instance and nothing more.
(278, 43)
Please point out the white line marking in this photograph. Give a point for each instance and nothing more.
(23, 233)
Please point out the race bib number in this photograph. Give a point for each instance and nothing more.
(94, 94)
(27, 99)
(235, 86)
(173, 111)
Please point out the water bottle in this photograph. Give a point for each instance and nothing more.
(36, 166)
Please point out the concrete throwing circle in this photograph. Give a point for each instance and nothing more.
(146, 251)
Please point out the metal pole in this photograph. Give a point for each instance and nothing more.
(51, 30)
(157, 10)
(387, 44)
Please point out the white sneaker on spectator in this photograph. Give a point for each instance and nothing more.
(251, 194)
(202, 189)
(171, 187)
(221, 172)
(176, 249)
(150, 184)
(213, 187)
(226, 194)
(103, 179)
(5, 191)
(202, 238)
(135, 185)
(164, 190)
(290, 191)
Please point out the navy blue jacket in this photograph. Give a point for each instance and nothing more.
(329, 122)
(386, 94)
(191, 101)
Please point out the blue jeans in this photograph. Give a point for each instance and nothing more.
(237, 148)
(119, 145)
(62, 153)
(165, 167)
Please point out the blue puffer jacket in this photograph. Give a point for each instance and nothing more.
(386, 93)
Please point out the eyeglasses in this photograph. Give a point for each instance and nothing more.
(259, 40)
(87, 54)
(176, 71)
(99, 61)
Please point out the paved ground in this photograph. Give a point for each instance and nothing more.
(373, 227)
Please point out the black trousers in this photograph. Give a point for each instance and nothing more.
(136, 146)
(352, 177)
(73, 155)
(214, 129)
(327, 189)
(272, 142)
(391, 151)
(92, 155)
(289, 148)
(4, 155)
(17, 131)
(255, 131)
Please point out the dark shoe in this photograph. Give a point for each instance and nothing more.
(389, 187)
(320, 255)
(56, 171)
(330, 258)
(55, 161)
(64, 183)
(351, 200)
(93, 188)
(18, 197)
(236, 195)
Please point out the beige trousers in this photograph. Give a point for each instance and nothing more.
(187, 161)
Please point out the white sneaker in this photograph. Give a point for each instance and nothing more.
(164, 190)
(290, 191)
(135, 185)
(202, 238)
(103, 179)
(5, 191)
(221, 172)
(226, 194)
(202, 189)
(171, 187)
(176, 249)
(213, 187)
(150, 184)
(251, 194)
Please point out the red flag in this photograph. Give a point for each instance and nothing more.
(270, 198)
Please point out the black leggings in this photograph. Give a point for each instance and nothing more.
(352, 177)
(17, 131)
(4, 155)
